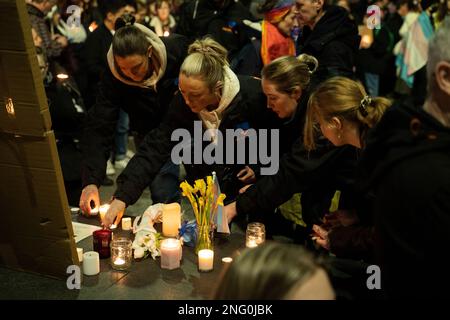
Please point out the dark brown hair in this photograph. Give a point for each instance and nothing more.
(128, 39)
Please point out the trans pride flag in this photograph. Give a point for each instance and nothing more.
(413, 53)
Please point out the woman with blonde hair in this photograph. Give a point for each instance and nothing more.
(297, 190)
(344, 112)
(210, 97)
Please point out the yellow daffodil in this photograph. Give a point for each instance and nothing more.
(201, 197)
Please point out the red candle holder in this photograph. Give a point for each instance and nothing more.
(102, 241)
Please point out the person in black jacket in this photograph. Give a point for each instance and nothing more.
(406, 165)
(96, 47)
(210, 96)
(330, 36)
(141, 80)
(219, 19)
(345, 113)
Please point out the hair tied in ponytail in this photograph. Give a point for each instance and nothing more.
(365, 102)
(310, 61)
(124, 21)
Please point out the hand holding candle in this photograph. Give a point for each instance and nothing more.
(90, 200)
(115, 213)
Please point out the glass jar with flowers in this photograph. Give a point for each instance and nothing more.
(205, 198)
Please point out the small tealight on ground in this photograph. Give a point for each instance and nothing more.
(227, 259)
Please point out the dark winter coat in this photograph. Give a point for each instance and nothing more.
(334, 41)
(407, 166)
(94, 60)
(247, 110)
(145, 107)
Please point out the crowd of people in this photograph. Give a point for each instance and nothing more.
(360, 95)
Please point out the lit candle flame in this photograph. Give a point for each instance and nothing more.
(62, 76)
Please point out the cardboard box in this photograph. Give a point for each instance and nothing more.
(35, 229)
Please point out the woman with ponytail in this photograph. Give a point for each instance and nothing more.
(211, 97)
(286, 83)
(344, 112)
(141, 80)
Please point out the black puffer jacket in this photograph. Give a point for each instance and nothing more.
(247, 110)
(406, 164)
(145, 107)
(334, 41)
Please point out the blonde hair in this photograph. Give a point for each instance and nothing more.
(289, 72)
(346, 99)
(206, 59)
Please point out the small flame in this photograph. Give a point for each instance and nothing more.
(93, 26)
(62, 76)
(166, 33)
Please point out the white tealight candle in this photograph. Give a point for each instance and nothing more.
(126, 224)
(119, 262)
(251, 243)
(205, 260)
(91, 263)
(170, 254)
(80, 254)
(171, 219)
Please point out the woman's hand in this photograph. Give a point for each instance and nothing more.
(243, 189)
(321, 237)
(246, 175)
(115, 213)
(88, 195)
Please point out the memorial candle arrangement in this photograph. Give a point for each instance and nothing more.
(171, 253)
(121, 253)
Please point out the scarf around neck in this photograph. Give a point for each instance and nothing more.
(158, 60)
(231, 87)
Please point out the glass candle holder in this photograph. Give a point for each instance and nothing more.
(205, 260)
(255, 234)
(171, 253)
(102, 240)
(121, 254)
